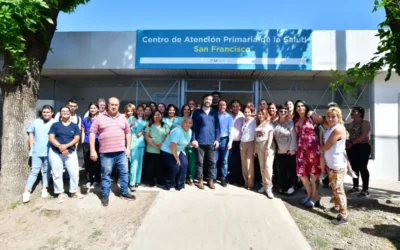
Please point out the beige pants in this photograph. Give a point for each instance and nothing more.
(247, 157)
(266, 163)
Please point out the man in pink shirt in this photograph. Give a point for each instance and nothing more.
(115, 143)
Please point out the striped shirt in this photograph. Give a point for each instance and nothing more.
(112, 131)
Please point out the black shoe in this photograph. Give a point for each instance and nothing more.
(224, 184)
(104, 201)
(363, 193)
(128, 196)
(353, 190)
(339, 221)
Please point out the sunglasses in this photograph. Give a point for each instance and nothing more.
(283, 111)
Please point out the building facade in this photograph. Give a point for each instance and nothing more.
(248, 65)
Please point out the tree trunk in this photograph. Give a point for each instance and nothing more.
(19, 109)
(19, 105)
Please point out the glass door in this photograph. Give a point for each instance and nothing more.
(236, 89)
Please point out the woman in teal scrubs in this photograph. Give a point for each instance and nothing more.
(138, 144)
(172, 119)
(173, 155)
(155, 134)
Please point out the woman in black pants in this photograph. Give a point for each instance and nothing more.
(286, 141)
(155, 133)
(359, 149)
(92, 168)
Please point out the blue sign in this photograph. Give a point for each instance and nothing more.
(224, 49)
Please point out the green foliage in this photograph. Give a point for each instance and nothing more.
(71, 5)
(17, 18)
(386, 57)
(20, 19)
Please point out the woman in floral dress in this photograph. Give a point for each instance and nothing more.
(307, 155)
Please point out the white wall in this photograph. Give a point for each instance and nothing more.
(386, 129)
(92, 50)
(342, 49)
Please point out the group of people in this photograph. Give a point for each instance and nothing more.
(155, 145)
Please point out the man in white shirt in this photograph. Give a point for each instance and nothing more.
(75, 118)
(234, 160)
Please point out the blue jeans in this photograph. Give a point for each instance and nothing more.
(39, 164)
(222, 155)
(176, 174)
(108, 161)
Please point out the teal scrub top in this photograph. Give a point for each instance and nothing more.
(140, 124)
(178, 136)
(172, 123)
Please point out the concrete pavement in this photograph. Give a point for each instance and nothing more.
(226, 218)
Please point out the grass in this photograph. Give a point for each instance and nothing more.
(368, 227)
(346, 232)
(96, 233)
(50, 213)
(321, 243)
(54, 240)
(15, 204)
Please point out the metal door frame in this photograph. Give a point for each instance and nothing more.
(254, 90)
(138, 83)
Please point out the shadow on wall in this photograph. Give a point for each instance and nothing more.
(341, 51)
(284, 44)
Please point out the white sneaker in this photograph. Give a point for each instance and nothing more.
(352, 174)
(87, 185)
(261, 190)
(26, 196)
(77, 196)
(182, 190)
(172, 189)
(290, 191)
(60, 198)
(269, 194)
(44, 193)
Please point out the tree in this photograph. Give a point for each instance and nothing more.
(26, 30)
(387, 56)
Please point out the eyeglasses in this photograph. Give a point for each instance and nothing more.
(283, 111)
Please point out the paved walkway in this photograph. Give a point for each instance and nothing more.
(226, 218)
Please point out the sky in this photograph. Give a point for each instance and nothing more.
(129, 15)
